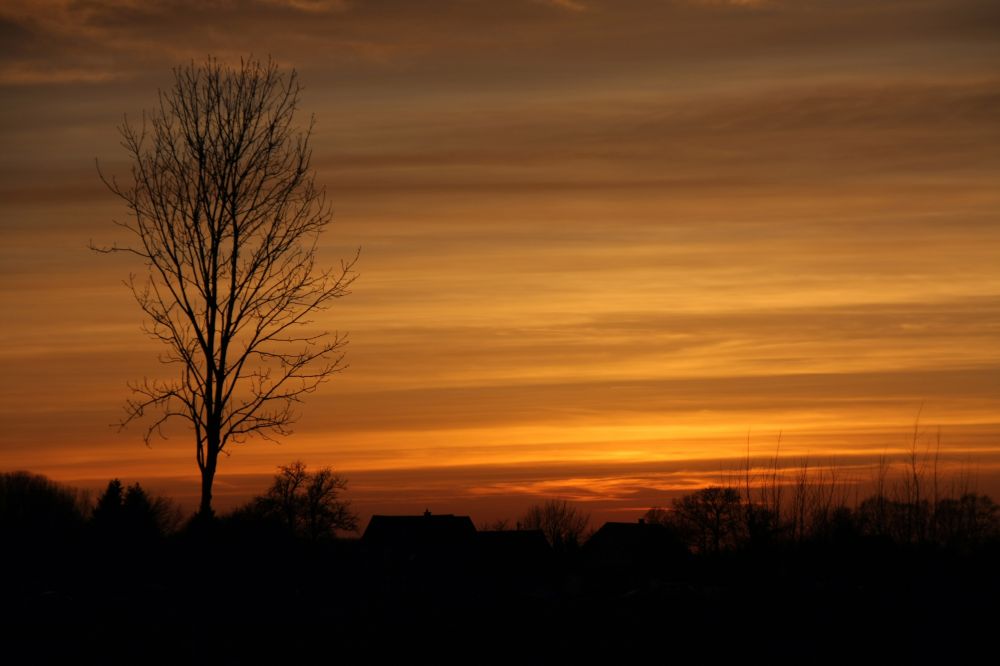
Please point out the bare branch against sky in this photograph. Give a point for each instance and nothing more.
(225, 214)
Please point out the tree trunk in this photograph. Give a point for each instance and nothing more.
(208, 476)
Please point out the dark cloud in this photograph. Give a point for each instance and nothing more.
(525, 39)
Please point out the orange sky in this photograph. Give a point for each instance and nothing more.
(600, 240)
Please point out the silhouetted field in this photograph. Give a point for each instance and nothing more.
(713, 576)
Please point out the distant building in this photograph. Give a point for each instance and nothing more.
(431, 539)
(639, 547)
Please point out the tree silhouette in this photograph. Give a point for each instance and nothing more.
(307, 504)
(34, 509)
(225, 214)
(563, 524)
(108, 512)
(130, 513)
(712, 517)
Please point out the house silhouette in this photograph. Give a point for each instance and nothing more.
(633, 546)
(428, 538)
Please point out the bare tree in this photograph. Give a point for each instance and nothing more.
(712, 518)
(225, 214)
(563, 524)
(495, 525)
(308, 503)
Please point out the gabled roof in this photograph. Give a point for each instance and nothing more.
(635, 538)
(426, 529)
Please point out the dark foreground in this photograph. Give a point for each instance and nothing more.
(225, 597)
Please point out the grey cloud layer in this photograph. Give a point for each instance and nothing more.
(60, 41)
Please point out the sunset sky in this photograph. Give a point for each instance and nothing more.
(600, 240)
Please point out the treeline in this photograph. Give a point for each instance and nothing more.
(37, 512)
(721, 518)
(817, 564)
(757, 509)
(907, 501)
(763, 506)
